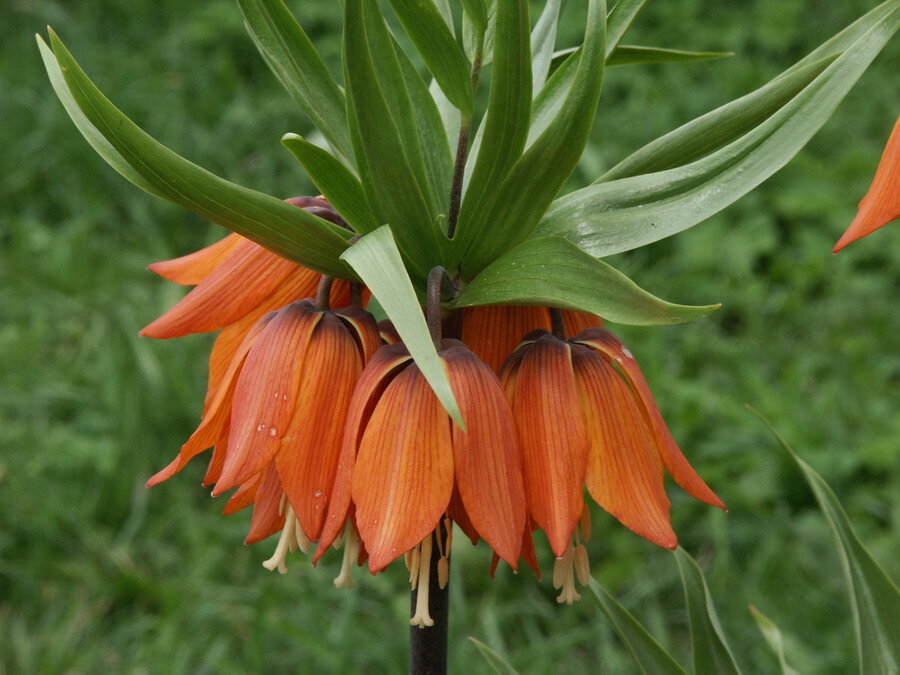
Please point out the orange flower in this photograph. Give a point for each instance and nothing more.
(493, 332)
(881, 204)
(402, 459)
(586, 417)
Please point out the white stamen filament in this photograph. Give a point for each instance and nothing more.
(292, 537)
(564, 577)
(422, 618)
(351, 553)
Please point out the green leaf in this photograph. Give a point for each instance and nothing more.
(494, 660)
(711, 651)
(772, 636)
(651, 658)
(102, 147)
(436, 43)
(626, 55)
(543, 40)
(509, 107)
(511, 211)
(288, 231)
(874, 598)
(385, 135)
(620, 18)
(296, 63)
(376, 259)
(620, 215)
(340, 187)
(552, 271)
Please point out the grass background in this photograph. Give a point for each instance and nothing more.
(98, 573)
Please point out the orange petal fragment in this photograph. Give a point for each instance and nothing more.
(613, 350)
(553, 438)
(881, 204)
(191, 269)
(486, 456)
(493, 332)
(624, 471)
(268, 517)
(575, 322)
(404, 471)
(308, 456)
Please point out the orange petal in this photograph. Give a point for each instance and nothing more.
(575, 322)
(486, 456)
(881, 204)
(388, 333)
(266, 393)
(553, 438)
(235, 288)
(456, 511)
(216, 418)
(364, 328)
(377, 375)
(493, 332)
(624, 471)
(244, 496)
(404, 471)
(308, 456)
(191, 269)
(529, 555)
(612, 349)
(268, 517)
(220, 451)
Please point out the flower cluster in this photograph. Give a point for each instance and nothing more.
(320, 419)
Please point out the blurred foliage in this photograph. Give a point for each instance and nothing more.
(98, 573)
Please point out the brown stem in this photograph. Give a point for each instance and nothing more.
(433, 308)
(356, 294)
(557, 323)
(323, 295)
(462, 154)
(428, 646)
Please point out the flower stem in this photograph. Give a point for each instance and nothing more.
(323, 294)
(438, 284)
(428, 646)
(462, 154)
(557, 323)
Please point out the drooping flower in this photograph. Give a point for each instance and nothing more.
(403, 459)
(586, 417)
(881, 204)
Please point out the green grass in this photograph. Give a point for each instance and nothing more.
(98, 573)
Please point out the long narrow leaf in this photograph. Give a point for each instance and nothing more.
(627, 55)
(385, 136)
(621, 16)
(711, 651)
(651, 658)
(509, 108)
(431, 35)
(772, 636)
(335, 181)
(515, 207)
(874, 598)
(552, 271)
(493, 659)
(376, 259)
(296, 63)
(291, 232)
(543, 40)
(620, 215)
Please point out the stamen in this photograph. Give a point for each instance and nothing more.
(422, 618)
(564, 577)
(582, 565)
(415, 556)
(351, 553)
(292, 537)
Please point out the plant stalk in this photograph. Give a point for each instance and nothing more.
(462, 154)
(428, 646)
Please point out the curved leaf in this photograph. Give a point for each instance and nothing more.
(620, 215)
(296, 63)
(340, 187)
(711, 651)
(626, 55)
(772, 636)
(651, 658)
(494, 660)
(620, 18)
(543, 39)
(376, 259)
(288, 231)
(552, 271)
(874, 598)
(431, 35)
